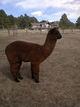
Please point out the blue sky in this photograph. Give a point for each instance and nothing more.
(50, 10)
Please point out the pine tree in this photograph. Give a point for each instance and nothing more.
(23, 21)
(65, 23)
(78, 23)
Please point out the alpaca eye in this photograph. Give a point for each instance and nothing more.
(56, 33)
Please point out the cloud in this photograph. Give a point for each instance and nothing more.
(59, 7)
(71, 6)
(28, 4)
(42, 4)
(37, 13)
(5, 1)
(70, 15)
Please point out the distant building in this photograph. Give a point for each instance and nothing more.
(35, 26)
(40, 26)
(43, 25)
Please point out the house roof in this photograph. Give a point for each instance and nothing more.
(35, 24)
(39, 23)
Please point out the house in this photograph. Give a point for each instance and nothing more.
(43, 25)
(35, 26)
(40, 26)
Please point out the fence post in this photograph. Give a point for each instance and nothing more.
(8, 32)
(15, 30)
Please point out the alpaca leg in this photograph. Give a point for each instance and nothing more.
(18, 73)
(35, 72)
(14, 68)
(19, 76)
(32, 71)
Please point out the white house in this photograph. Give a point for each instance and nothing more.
(43, 25)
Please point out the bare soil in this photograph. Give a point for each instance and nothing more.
(59, 74)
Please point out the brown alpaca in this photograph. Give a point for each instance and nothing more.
(19, 51)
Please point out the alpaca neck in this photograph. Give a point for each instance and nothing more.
(49, 45)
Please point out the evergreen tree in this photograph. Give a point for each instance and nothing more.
(3, 19)
(21, 22)
(65, 23)
(78, 23)
(10, 21)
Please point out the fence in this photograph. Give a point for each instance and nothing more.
(15, 32)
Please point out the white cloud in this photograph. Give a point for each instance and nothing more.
(5, 1)
(72, 7)
(57, 16)
(28, 4)
(50, 20)
(37, 13)
(42, 4)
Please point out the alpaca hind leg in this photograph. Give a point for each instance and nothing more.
(32, 71)
(18, 73)
(14, 68)
(35, 72)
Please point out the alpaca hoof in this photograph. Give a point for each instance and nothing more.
(37, 81)
(17, 80)
(20, 78)
(32, 77)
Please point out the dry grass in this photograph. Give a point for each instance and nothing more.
(59, 74)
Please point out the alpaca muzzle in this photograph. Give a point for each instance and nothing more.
(59, 36)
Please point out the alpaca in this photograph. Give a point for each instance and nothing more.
(19, 51)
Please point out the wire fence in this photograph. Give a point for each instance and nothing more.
(15, 32)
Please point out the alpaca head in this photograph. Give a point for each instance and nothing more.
(54, 33)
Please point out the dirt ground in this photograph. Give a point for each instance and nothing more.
(59, 74)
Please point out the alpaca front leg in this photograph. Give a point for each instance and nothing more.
(35, 72)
